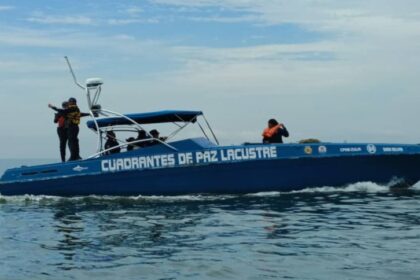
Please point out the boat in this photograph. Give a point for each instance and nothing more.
(200, 165)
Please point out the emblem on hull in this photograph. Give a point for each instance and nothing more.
(80, 168)
(308, 150)
(322, 149)
(371, 149)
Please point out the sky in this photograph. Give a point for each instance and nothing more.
(339, 71)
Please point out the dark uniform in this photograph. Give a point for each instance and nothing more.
(60, 120)
(142, 136)
(73, 119)
(155, 135)
(72, 115)
(111, 143)
(130, 147)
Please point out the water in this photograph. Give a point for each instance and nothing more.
(364, 231)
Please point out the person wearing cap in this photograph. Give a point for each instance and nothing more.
(274, 132)
(72, 115)
(142, 135)
(60, 120)
(130, 146)
(111, 143)
(155, 135)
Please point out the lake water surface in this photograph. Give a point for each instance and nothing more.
(363, 231)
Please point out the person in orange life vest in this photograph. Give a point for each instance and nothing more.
(274, 132)
(60, 120)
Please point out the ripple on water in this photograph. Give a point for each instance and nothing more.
(359, 231)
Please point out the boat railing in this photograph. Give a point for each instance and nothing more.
(126, 144)
(99, 131)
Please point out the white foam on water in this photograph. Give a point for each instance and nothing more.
(54, 199)
(28, 198)
(264, 194)
(416, 187)
(177, 198)
(367, 187)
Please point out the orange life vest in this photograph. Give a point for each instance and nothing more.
(61, 121)
(269, 132)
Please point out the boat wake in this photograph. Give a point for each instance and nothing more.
(45, 199)
(368, 187)
(360, 187)
(416, 187)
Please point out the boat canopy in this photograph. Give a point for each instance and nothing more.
(148, 118)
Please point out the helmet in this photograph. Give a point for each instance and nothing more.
(65, 104)
(72, 100)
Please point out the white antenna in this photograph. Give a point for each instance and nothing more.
(93, 86)
(72, 73)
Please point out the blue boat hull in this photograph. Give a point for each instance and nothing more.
(282, 174)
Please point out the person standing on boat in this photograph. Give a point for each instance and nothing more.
(72, 115)
(274, 132)
(60, 120)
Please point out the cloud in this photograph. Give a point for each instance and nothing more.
(6, 8)
(359, 82)
(32, 38)
(364, 30)
(329, 14)
(225, 19)
(24, 64)
(271, 52)
(69, 39)
(132, 21)
(69, 20)
(134, 11)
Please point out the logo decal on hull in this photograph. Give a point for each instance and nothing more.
(322, 149)
(80, 168)
(308, 150)
(371, 149)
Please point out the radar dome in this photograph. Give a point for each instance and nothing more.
(94, 82)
